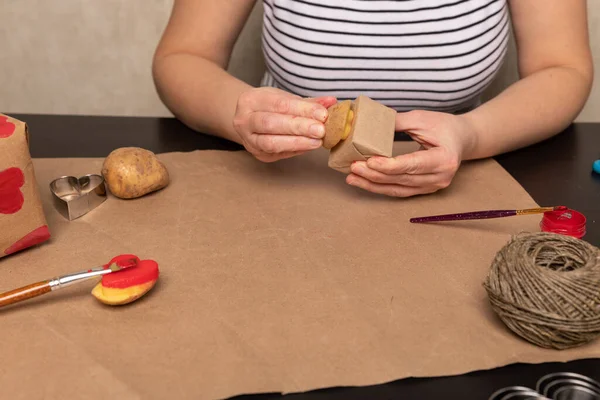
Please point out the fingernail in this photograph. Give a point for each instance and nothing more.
(320, 114)
(357, 167)
(317, 130)
(314, 143)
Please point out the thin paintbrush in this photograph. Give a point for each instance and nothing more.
(486, 214)
(43, 287)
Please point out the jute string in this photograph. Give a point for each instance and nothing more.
(546, 288)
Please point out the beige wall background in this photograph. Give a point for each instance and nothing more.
(93, 57)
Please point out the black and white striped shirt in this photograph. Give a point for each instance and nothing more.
(408, 54)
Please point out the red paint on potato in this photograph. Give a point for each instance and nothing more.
(145, 271)
(122, 260)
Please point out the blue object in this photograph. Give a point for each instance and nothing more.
(596, 166)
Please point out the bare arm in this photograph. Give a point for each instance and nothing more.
(556, 76)
(556, 72)
(190, 76)
(191, 59)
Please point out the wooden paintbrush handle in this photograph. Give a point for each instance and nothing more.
(24, 293)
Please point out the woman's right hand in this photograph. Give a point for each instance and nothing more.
(274, 124)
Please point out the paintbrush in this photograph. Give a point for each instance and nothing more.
(50, 285)
(485, 214)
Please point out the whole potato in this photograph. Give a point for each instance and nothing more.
(131, 172)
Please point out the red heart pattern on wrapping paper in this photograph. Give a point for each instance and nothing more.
(7, 128)
(34, 237)
(11, 197)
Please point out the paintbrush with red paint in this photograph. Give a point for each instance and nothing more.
(50, 285)
(485, 214)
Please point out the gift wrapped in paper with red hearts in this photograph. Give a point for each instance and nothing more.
(22, 220)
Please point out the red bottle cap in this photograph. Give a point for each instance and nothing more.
(565, 222)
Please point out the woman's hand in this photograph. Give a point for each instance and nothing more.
(444, 139)
(274, 124)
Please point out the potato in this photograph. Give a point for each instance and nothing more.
(338, 124)
(132, 172)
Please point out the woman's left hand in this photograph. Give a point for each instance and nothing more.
(444, 140)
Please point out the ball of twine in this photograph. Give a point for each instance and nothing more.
(546, 288)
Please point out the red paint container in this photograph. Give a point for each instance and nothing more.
(565, 222)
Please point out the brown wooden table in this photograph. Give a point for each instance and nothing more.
(555, 172)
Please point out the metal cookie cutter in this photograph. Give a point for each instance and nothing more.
(517, 393)
(569, 386)
(75, 197)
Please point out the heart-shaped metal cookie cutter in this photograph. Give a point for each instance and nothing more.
(75, 197)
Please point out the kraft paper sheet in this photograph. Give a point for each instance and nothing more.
(274, 277)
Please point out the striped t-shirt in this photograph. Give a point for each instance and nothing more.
(408, 54)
